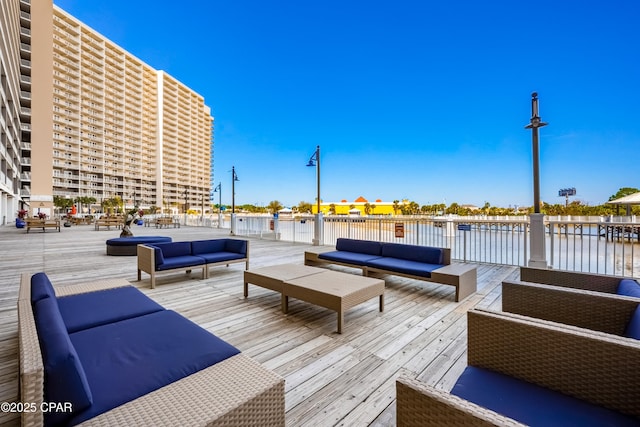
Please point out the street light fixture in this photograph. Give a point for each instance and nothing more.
(315, 161)
(536, 219)
(234, 178)
(218, 189)
(317, 224)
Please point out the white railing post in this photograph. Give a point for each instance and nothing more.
(318, 227)
(538, 258)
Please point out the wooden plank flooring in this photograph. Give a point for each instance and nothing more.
(331, 379)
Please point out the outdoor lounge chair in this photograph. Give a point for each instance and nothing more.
(597, 311)
(537, 372)
(572, 279)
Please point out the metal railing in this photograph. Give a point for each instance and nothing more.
(588, 244)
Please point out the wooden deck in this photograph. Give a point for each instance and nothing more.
(331, 379)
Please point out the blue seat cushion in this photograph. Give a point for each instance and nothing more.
(360, 246)
(41, 287)
(221, 256)
(629, 288)
(207, 246)
(633, 327)
(180, 261)
(532, 404)
(403, 266)
(128, 359)
(174, 249)
(425, 254)
(83, 311)
(236, 245)
(347, 257)
(65, 379)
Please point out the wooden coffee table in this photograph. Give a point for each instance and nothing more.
(329, 289)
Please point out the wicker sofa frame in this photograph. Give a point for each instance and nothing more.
(571, 279)
(593, 366)
(596, 311)
(236, 391)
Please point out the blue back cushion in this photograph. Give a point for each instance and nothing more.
(174, 249)
(532, 404)
(41, 287)
(64, 376)
(128, 359)
(360, 246)
(628, 288)
(207, 246)
(633, 327)
(83, 311)
(236, 245)
(416, 253)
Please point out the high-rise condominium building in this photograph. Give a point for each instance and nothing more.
(108, 124)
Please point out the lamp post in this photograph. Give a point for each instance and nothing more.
(186, 195)
(314, 160)
(234, 178)
(536, 220)
(218, 190)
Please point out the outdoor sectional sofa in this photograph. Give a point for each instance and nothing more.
(417, 262)
(526, 371)
(106, 354)
(165, 257)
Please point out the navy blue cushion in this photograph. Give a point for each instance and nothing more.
(531, 404)
(41, 287)
(64, 376)
(629, 288)
(236, 245)
(417, 253)
(221, 256)
(83, 311)
(633, 327)
(158, 257)
(174, 249)
(180, 261)
(131, 358)
(356, 258)
(360, 246)
(207, 246)
(403, 266)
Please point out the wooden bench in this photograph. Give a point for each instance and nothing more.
(166, 222)
(108, 222)
(42, 223)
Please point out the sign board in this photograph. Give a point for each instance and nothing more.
(464, 227)
(271, 225)
(399, 229)
(566, 192)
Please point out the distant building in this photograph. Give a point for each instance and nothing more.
(357, 207)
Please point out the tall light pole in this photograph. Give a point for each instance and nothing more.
(186, 196)
(218, 190)
(536, 220)
(234, 178)
(315, 161)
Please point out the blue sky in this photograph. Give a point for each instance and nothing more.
(418, 100)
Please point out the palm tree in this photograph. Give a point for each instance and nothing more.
(396, 206)
(274, 206)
